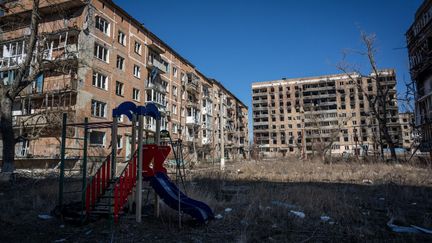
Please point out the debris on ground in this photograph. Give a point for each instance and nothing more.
(298, 213)
(45, 216)
(219, 216)
(325, 218)
(367, 181)
(227, 210)
(407, 229)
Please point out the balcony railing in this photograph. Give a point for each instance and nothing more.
(158, 64)
(10, 62)
(191, 120)
(206, 141)
(189, 138)
(193, 104)
(207, 111)
(161, 106)
(156, 86)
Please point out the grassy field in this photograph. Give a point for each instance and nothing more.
(258, 201)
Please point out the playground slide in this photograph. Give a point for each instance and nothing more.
(170, 195)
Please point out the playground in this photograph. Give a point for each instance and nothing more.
(249, 201)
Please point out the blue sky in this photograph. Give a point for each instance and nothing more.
(239, 42)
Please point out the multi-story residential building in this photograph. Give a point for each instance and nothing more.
(109, 57)
(321, 114)
(406, 121)
(419, 39)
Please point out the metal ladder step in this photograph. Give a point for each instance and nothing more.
(75, 138)
(74, 149)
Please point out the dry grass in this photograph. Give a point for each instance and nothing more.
(359, 198)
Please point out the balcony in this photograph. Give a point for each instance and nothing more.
(259, 101)
(46, 7)
(161, 106)
(261, 108)
(189, 138)
(150, 127)
(230, 106)
(206, 125)
(11, 62)
(191, 120)
(206, 95)
(156, 48)
(206, 141)
(192, 86)
(192, 83)
(157, 64)
(157, 86)
(192, 104)
(207, 111)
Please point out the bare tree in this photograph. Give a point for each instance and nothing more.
(25, 74)
(379, 101)
(322, 134)
(37, 60)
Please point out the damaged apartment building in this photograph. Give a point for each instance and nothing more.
(326, 114)
(106, 58)
(419, 40)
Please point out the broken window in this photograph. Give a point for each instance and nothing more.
(98, 108)
(102, 25)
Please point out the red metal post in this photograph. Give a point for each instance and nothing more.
(93, 192)
(103, 177)
(116, 197)
(88, 199)
(98, 178)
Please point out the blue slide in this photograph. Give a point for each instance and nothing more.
(169, 193)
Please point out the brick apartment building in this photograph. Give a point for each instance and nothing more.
(419, 40)
(108, 58)
(325, 113)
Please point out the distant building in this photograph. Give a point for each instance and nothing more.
(406, 121)
(312, 114)
(419, 39)
(110, 58)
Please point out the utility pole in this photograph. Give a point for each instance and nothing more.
(222, 132)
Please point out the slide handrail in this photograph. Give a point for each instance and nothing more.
(97, 184)
(124, 184)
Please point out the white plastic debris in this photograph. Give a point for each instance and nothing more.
(427, 231)
(325, 218)
(366, 181)
(407, 229)
(381, 199)
(45, 216)
(298, 213)
(219, 216)
(228, 210)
